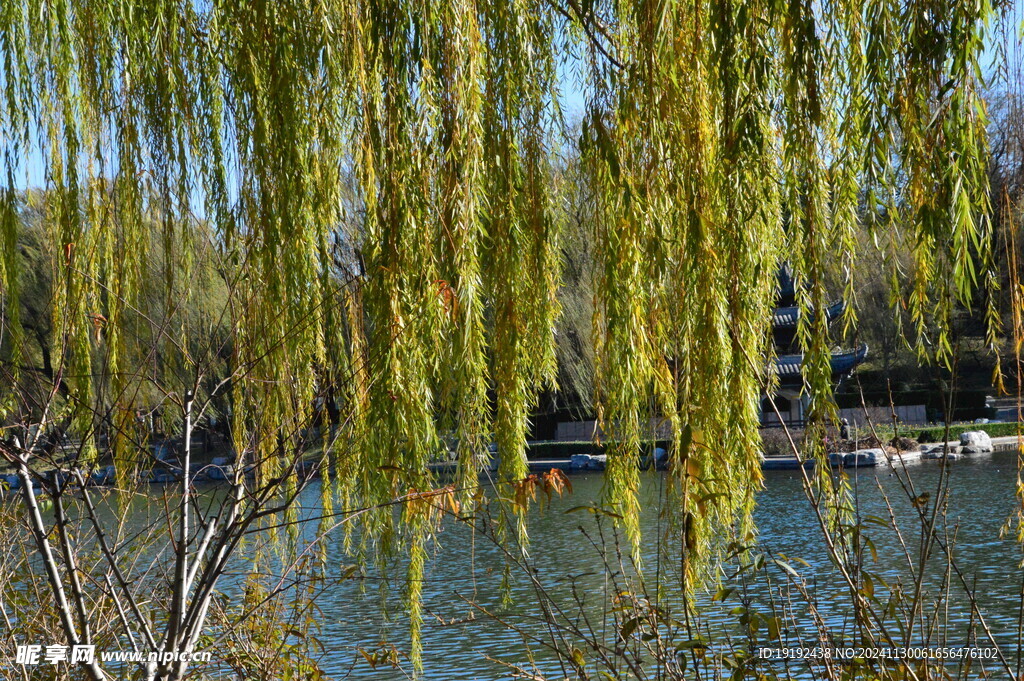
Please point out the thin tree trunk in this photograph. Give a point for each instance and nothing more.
(175, 627)
(50, 564)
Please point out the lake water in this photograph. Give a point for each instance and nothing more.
(464, 567)
(981, 500)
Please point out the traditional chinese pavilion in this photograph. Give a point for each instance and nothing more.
(789, 398)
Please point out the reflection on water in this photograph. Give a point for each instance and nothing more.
(982, 498)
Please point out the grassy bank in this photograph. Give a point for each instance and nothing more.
(937, 433)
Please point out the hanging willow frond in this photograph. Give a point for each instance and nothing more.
(722, 137)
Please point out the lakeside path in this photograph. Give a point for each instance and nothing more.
(1008, 443)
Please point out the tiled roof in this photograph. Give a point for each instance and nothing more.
(788, 366)
(787, 316)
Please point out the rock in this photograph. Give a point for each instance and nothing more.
(975, 442)
(905, 457)
(588, 462)
(942, 452)
(932, 451)
(220, 468)
(104, 476)
(864, 458)
(836, 459)
(580, 461)
(163, 476)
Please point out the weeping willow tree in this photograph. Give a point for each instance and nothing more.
(722, 137)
